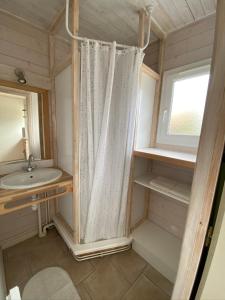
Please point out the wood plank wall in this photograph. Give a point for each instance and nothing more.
(184, 46)
(22, 46)
(190, 44)
(63, 53)
(165, 211)
(151, 58)
(17, 226)
(26, 47)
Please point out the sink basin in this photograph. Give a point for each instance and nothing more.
(26, 180)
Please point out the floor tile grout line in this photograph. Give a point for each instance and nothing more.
(19, 282)
(109, 262)
(156, 285)
(87, 291)
(120, 270)
(86, 277)
(142, 274)
(132, 285)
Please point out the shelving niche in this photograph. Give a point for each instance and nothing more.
(159, 247)
(171, 188)
(160, 193)
(160, 200)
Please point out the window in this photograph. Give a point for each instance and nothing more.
(182, 106)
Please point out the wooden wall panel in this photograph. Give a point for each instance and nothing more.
(168, 213)
(192, 29)
(17, 226)
(63, 53)
(173, 172)
(11, 34)
(151, 58)
(165, 211)
(26, 47)
(23, 46)
(141, 167)
(190, 44)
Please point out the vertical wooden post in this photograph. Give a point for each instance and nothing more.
(75, 93)
(52, 102)
(141, 41)
(52, 106)
(158, 90)
(209, 156)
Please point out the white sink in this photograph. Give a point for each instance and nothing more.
(26, 180)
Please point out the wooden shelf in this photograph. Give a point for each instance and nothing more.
(181, 159)
(171, 188)
(160, 248)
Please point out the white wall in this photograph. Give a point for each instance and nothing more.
(146, 105)
(64, 135)
(213, 279)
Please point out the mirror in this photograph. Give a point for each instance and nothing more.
(24, 124)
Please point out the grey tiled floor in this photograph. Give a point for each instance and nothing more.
(120, 276)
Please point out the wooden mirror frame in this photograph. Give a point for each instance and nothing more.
(47, 147)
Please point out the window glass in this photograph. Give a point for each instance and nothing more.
(188, 103)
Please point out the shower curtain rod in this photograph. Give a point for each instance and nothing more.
(148, 10)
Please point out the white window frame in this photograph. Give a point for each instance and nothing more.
(163, 138)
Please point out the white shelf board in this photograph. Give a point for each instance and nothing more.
(171, 188)
(158, 247)
(181, 159)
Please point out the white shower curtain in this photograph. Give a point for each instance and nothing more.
(108, 99)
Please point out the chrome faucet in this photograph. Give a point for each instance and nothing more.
(30, 159)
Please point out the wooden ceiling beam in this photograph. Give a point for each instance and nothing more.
(157, 30)
(57, 21)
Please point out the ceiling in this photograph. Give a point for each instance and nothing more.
(112, 19)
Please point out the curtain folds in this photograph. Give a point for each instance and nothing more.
(108, 100)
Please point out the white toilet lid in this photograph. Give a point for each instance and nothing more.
(50, 284)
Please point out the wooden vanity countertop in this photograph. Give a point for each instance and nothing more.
(65, 180)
